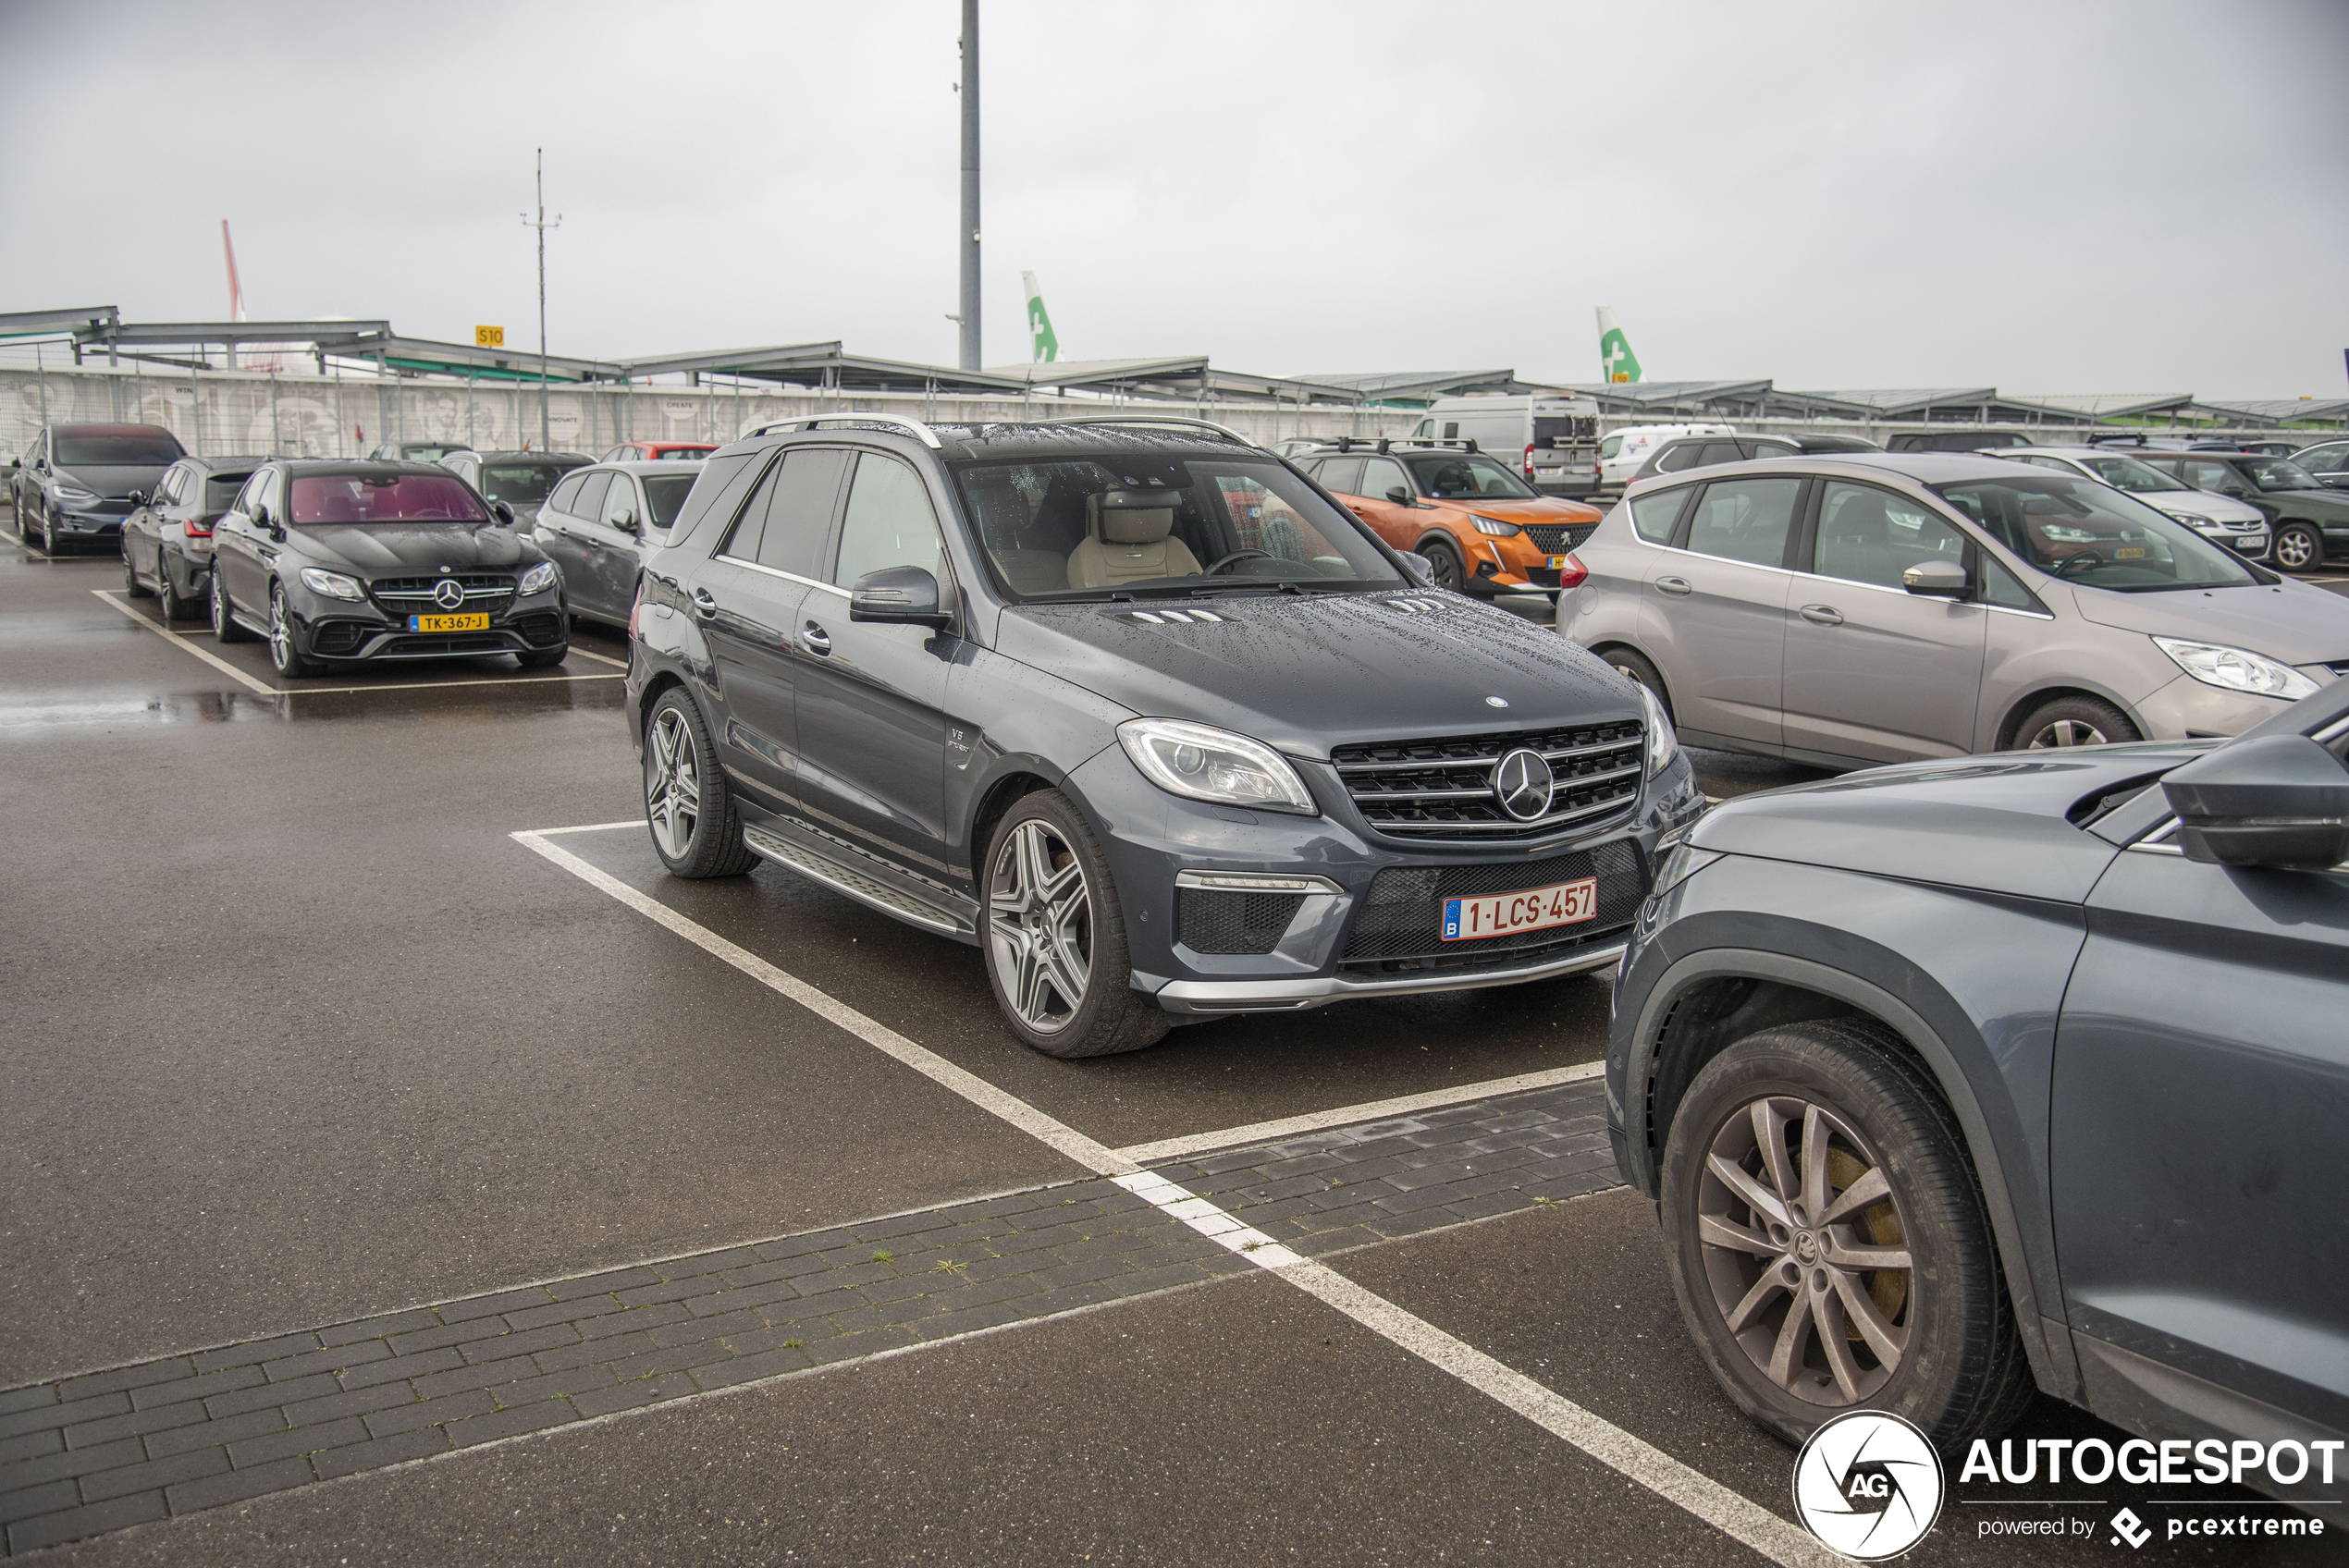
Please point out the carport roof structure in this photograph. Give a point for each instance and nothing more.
(1176, 378)
(1750, 398)
(1955, 403)
(815, 364)
(1418, 389)
(2275, 410)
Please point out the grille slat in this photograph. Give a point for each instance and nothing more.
(413, 595)
(1557, 538)
(1441, 788)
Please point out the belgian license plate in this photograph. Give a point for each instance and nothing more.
(1566, 903)
(448, 623)
(1557, 563)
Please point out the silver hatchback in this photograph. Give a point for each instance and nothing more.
(1865, 608)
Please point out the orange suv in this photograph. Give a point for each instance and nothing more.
(1486, 530)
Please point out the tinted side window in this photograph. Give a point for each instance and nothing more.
(1745, 519)
(561, 500)
(718, 488)
(1342, 476)
(1721, 452)
(1870, 535)
(785, 524)
(1680, 455)
(889, 522)
(1652, 516)
(588, 501)
(1380, 475)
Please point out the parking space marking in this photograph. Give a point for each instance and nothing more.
(579, 652)
(223, 666)
(1345, 1116)
(1725, 1509)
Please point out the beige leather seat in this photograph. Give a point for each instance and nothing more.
(1126, 543)
(1033, 571)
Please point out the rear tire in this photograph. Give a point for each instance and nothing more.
(131, 583)
(2299, 547)
(170, 603)
(1054, 926)
(1771, 1261)
(1636, 668)
(2074, 721)
(224, 623)
(696, 828)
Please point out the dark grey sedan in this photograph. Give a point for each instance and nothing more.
(1961, 1079)
(597, 524)
(166, 542)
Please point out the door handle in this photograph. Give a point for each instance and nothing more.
(705, 606)
(815, 639)
(1674, 585)
(1821, 615)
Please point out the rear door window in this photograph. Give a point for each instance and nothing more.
(1721, 452)
(1342, 476)
(588, 499)
(1745, 519)
(1685, 454)
(565, 493)
(788, 518)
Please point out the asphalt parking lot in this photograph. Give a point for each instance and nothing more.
(368, 1080)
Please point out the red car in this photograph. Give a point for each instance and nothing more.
(656, 451)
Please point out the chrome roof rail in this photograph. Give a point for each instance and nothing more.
(1223, 429)
(919, 431)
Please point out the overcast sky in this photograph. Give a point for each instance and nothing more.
(2069, 197)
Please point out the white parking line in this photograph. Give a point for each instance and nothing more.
(223, 666)
(1348, 1115)
(578, 652)
(1724, 1509)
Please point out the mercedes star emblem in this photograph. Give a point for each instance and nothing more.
(1523, 783)
(448, 593)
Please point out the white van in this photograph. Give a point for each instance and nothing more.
(1550, 437)
(1624, 450)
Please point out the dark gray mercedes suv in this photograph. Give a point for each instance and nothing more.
(1136, 708)
(1958, 1079)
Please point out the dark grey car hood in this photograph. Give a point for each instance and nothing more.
(111, 480)
(1307, 673)
(1992, 823)
(374, 549)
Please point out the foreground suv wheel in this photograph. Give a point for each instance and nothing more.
(1056, 936)
(1828, 1244)
(695, 829)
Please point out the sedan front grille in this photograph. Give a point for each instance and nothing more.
(413, 595)
(1557, 538)
(1442, 788)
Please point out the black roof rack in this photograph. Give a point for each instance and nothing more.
(1388, 443)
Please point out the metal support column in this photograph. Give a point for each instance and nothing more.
(970, 348)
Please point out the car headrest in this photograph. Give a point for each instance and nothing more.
(1131, 517)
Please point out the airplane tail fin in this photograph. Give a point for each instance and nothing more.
(1046, 347)
(1616, 361)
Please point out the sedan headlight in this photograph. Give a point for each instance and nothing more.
(1206, 763)
(74, 495)
(1664, 741)
(539, 579)
(331, 584)
(2236, 669)
(2191, 520)
(1493, 526)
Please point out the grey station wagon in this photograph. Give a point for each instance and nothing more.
(1136, 708)
(1878, 607)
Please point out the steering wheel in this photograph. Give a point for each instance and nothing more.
(1237, 556)
(2064, 566)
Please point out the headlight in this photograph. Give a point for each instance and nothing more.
(332, 584)
(1213, 764)
(1493, 526)
(539, 579)
(1664, 743)
(2236, 670)
(1679, 864)
(2191, 520)
(74, 495)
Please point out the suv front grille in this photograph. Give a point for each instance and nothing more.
(1400, 926)
(1557, 538)
(1442, 788)
(489, 591)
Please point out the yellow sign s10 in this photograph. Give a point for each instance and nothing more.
(489, 336)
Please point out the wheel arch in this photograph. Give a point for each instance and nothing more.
(994, 801)
(655, 684)
(2003, 738)
(1714, 997)
(1601, 649)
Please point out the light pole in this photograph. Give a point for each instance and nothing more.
(542, 225)
(969, 319)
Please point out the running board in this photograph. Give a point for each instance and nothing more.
(864, 890)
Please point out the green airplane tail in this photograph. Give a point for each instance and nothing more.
(1047, 347)
(1616, 361)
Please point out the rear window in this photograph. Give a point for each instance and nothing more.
(220, 490)
(525, 485)
(665, 494)
(129, 448)
(407, 497)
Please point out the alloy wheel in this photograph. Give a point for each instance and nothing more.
(219, 607)
(1806, 1252)
(281, 643)
(2294, 550)
(672, 783)
(2068, 732)
(1039, 926)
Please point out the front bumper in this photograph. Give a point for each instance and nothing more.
(356, 632)
(1218, 996)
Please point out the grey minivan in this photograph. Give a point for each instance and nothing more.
(1886, 607)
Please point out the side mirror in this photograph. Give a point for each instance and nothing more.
(1399, 496)
(897, 595)
(625, 521)
(502, 512)
(137, 498)
(259, 517)
(1936, 580)
(1418, 567)
(2280, 800)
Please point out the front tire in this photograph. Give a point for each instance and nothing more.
(1828, 1242)
(1450, 573)
(544, 659)
(2074, 721)
(2299, 547)
(223, 622)
(285, 641)
(1056, 954)
(696, 828)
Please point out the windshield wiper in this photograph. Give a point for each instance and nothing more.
(1256, 585)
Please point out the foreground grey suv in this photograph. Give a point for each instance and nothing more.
(1957, 1080)
(1138, 710)
(1882, 607)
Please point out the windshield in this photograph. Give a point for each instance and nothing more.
(1470, 477)
(133, 449)
(407, 497)
(1088, 528)
(2083, 531)
(2127, 473)
(665, 492)
(2277, 473)
(521, 485)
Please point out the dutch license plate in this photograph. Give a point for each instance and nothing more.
(2130, 553)
(1557, 563)
(448, 623)
(1565, 904)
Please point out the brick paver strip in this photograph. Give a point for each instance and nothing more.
(98, 1451)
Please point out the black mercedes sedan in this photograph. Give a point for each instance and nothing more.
(343, 562)
(80, 481)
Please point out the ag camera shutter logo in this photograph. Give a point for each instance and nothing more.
(1868, 1484)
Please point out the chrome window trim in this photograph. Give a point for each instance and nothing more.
(778, 571)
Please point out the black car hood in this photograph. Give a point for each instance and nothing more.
(112, 480)
(1993, 822)
(372, 549)
(1304, 674)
